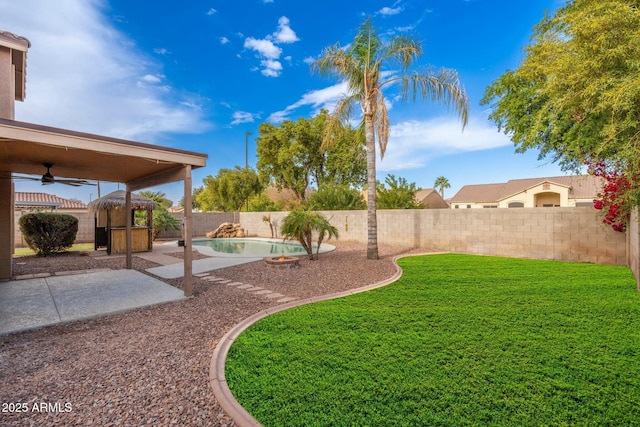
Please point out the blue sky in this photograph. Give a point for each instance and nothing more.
(197, 75)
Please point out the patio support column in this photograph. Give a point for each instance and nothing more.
(129, 217)
(7, 218)
(187, 228)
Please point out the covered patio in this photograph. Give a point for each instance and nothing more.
(25, 147)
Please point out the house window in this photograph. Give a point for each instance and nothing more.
(516, 205)
(490, 206)
(468, 206)
(457, 206)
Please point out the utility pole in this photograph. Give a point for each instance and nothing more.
(246, 157)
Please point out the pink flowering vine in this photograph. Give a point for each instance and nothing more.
(611, 200)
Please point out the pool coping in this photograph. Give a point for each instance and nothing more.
(207, 250)
(217, 378)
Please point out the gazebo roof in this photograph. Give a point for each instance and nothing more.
(117, 199)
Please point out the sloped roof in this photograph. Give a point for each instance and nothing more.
(581, 187)
(431, 195)
(34, 200)
(478, 193)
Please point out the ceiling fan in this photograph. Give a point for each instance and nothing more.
(48, 178)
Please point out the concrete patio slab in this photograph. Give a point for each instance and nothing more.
(175, 271)
(34, 303)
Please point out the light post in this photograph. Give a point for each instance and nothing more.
(246, 149)
(246, 157)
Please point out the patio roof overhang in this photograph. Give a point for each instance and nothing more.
(24, 147)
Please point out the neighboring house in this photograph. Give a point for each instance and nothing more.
(34, 202)
(431, 199)
(557, 191)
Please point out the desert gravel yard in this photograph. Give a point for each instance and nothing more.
(151, 366)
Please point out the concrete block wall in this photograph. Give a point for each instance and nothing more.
(569, 234)
(86, 228)
(202, 223)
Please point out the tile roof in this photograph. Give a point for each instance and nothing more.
(583, 187)
(46, 200)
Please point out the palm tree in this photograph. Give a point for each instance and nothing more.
(301, 224)
(362, 66)
(442, 183)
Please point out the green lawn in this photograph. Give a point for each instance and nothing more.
(77, 247)
(458, 340)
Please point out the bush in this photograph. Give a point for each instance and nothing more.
(48, 233)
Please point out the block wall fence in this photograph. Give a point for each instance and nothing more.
(568, 234)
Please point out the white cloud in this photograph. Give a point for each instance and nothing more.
(268, 50)
(161, 51)
(224, 40)
(413, 143)
(212, 11)
(285, 34)
(150, 78)
(271, 68)
(87, 76)
(322, 98)
(264, 47)
(243, 117)
(390, 11)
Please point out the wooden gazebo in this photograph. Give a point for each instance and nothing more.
(111, 222)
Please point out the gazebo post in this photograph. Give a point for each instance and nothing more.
(188, 254)
(129, 216)
(150, 229)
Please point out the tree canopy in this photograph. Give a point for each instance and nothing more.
(441, 183)
(576, 95)
(290, 155)
(397, 193)
(229, 190)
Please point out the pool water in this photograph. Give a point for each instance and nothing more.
(262, 248)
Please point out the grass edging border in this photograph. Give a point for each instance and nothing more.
(217, 378)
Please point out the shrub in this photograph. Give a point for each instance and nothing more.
(47, 233)
(301, 225)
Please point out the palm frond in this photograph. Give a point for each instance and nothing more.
(382, 124)
(442, 86)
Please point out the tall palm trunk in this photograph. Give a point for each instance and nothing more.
(372, 221)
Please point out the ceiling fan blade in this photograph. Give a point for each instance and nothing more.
(24, 178)
(74, 182)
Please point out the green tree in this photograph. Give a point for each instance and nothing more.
(229, 190)
(290, 155)
(368, 66)
(442, 183)
(162, 219)
(194, 199)
(397, 193)
(302, 224)
(159, 197)
(262, 203)
(335, 197)
(575, 97)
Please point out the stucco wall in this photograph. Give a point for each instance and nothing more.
(571, 234)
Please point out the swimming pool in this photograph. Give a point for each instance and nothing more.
(254, 247)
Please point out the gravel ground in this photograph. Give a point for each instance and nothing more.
(150, 366)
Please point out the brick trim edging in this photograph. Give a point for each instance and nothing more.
(217, 379)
